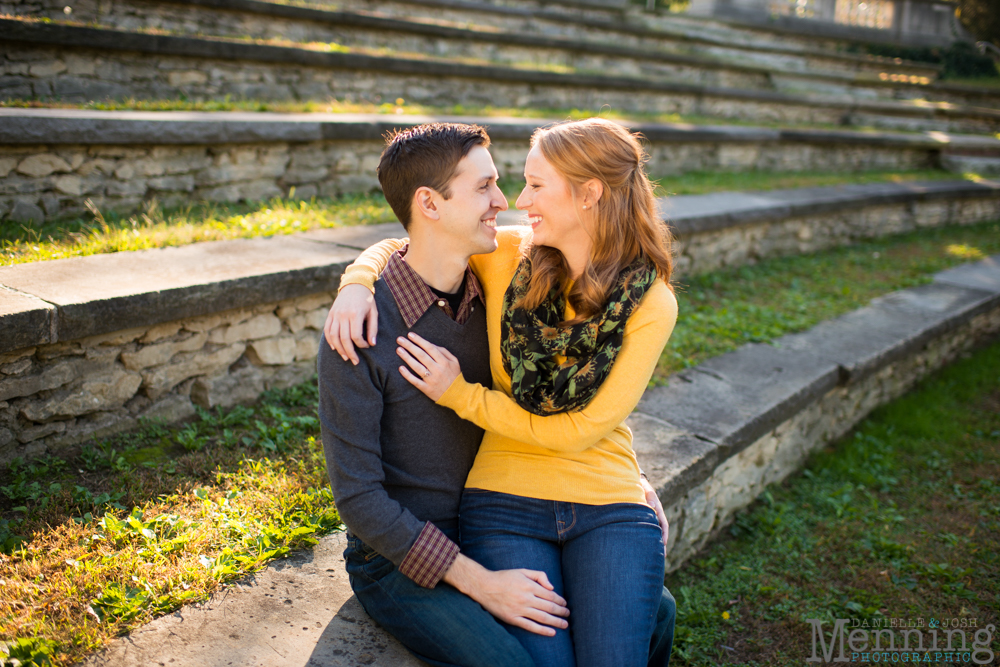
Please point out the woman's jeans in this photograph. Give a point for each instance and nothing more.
(606, 560)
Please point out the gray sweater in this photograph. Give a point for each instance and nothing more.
(395, 458)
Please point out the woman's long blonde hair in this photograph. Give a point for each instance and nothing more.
(627, 224)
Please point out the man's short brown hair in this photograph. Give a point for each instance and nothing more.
(424, 156)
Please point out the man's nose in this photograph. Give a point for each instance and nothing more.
(499, 199)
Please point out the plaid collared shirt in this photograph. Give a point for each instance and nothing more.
(433, 553)
(414, 297)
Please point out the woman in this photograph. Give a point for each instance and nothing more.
(578, 311)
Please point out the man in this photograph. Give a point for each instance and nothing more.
(397, 461)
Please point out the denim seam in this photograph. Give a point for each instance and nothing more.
(562, 531)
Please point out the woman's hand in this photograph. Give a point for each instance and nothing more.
(653, 500)
(433, 368)
(353, 310)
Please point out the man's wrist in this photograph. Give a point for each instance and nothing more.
(461, 574)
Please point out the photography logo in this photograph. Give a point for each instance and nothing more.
(902, 640)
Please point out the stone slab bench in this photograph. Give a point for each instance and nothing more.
(587, 21)
(52, 160)
(173, 66)
(92, 345)
(711, 441)
(260, 20)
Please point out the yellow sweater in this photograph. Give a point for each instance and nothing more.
(583, 456)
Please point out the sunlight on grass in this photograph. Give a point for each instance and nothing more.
(705, 182)
(964, 252)
(134, 527)
(411, 108)
(722, 310)
(154, 228)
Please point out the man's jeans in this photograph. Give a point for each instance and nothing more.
(606, 560)
(444, 627)
(439, 625)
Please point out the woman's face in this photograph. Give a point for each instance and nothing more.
(557, 220)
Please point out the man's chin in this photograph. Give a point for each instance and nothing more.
(486, 248)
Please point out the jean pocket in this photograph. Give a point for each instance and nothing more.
(358, 549)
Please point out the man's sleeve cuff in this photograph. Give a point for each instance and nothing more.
(430, 557)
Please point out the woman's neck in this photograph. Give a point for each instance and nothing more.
(576, 255)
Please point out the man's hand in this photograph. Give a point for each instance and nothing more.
(522, 598)
(352, 311)
(653, 501)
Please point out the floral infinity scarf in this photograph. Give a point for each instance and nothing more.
(531, 340)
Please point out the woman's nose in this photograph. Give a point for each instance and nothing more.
(523, 200)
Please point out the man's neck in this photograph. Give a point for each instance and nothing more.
(436, 266)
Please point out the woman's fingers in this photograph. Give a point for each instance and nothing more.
(419, 368)
(412, 379)
(419, 353)
(432, 350)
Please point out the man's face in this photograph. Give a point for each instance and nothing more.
(469, 216)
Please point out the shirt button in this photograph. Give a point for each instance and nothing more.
(441, 303)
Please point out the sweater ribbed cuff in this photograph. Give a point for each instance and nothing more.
(429, 558)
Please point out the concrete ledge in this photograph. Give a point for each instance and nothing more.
(66, 36)
(701, 213)
(99, 294)
(298, 612)
(85, 126)
(53, 160)
(717, 434)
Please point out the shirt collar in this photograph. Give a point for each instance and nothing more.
(414, 297)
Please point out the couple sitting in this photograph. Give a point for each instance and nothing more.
(538, 542)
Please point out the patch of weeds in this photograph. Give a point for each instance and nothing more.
(858, 535)
(120, 542)
(27, 651)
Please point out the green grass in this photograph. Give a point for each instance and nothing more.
(128, 529)
(705, 182)
(104, 232)
(401, 106)
(901, 519)
(721, 310)
(156, 228)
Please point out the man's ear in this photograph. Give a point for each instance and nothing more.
(592, 191)
(425, 202)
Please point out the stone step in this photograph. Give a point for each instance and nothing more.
(72, 62)
(52, 160)
(711, 441)
(268, 20)
(80, 297)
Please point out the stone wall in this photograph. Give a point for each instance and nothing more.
(196, 20)
(744, 244)
(54, 181)
(589, 49)
(704, 510)
(52, 396)
(76, 64)
(77, 377)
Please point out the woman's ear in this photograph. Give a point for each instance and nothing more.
(425, 203)
(592, 192)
